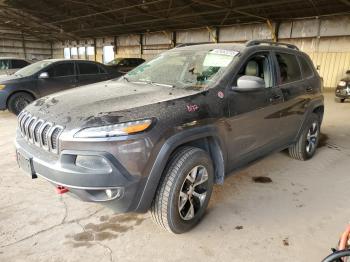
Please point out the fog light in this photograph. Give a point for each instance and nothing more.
(113, 193)
(97, 163)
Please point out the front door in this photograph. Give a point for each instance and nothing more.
(61, 76)
(254, 115)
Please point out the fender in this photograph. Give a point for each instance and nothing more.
(168, 147)
(310, 109)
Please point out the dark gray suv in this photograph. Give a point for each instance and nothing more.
(160, 137)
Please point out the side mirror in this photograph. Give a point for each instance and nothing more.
(44, 75)
(249, 83)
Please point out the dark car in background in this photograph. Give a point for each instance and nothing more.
(46, 77)
(124, 65)
(158, 141)
(342, 91)
(9, 65)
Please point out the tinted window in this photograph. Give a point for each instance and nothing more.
(62, 69)
(102, 70)
(88, 68)
(4, 64)
(289, 68)
(18, 63)
(305, 67)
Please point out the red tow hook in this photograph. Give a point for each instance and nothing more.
(61, 190)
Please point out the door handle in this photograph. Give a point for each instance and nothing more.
(275, 97)
(309, 89)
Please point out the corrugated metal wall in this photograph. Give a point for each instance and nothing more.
(13, 43)
(332, 66)
(326, 40)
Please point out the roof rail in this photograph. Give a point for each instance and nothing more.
(189, 44)
(258, 42)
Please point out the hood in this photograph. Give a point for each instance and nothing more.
(9, 78)
(104, 103)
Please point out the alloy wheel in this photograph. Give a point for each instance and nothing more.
(311, 138)
(193, 192)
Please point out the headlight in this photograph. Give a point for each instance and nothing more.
(342, 83)
(114, 130)
(2, 87)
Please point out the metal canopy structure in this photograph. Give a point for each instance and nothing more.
(53, 20)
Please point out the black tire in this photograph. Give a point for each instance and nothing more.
(166, 208)
(342, 100)
(18, 101)
(307, 143)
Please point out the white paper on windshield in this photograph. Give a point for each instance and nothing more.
(219, 57)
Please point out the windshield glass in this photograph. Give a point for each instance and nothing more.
(183, 68)
(115, 61)
(33, 68)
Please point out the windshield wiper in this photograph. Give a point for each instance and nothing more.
(151, 83)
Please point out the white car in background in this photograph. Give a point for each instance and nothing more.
(9, 65)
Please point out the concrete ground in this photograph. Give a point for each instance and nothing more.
(297, 217)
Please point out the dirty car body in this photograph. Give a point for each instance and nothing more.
(59, 136)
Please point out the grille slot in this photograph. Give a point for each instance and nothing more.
(54, 137)
(37, 131)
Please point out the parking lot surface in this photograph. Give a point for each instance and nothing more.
(276, 209)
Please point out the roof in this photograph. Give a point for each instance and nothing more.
(66, 19)
(11, 57)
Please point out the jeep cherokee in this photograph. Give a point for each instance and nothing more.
(161, 136)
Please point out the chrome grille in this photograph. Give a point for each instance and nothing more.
(39, 132)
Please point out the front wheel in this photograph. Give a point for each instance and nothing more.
(184, 192)
(306, 145)
(18, 101)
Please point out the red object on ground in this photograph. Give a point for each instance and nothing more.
(61, 190)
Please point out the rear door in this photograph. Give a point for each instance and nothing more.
(61, 77)
(89, 72)
(254, 115)
(293, 88)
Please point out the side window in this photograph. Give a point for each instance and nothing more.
(4, 64)
(87, 68)
(289, 68)
(62, 69)
(102, 70)
(125, 62)
(258, 65)
(18, 64)
(305, 67)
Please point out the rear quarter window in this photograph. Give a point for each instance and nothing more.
(306, 68)
(289, 68)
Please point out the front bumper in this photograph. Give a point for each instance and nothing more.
(342, 92)
(86, 184)
(3, 99)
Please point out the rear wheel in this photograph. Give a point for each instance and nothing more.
(185, 190)
(18, 101)
(307, 143)
(342, 100)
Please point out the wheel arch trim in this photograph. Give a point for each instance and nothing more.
(170, 145)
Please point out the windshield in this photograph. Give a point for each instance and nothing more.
(33, 68)
(115, 61)
(183, 68)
